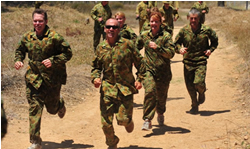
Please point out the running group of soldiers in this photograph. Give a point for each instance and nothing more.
(112, 66)
(119, 51)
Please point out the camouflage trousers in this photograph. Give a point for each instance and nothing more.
(156, 93)
(97, 36)
(195, 81)
(50, 97)
(141, 22)
(122, 108)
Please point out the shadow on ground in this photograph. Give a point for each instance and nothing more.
(137, 147)
(161, 130)
(69, 144)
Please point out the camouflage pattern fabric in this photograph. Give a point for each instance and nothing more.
(200, 7)
(37, 99)
(4, 121)
(152, 4)
(141, 10)
(53, 47)
(117, 89)
(100, 11)
(40, 80)
(128, 33)
(195, 59)
(196, 44)
(169, 15)
(116, 65)
(158, 73)
(195, 82)
(122, 108)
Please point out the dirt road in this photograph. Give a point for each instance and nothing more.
(213, 128)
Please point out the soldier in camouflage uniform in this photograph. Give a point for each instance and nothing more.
(125, 31)
(47, 52)
(142, 10)
(4, 122)
(100, 13)
(169, 14)
(203, 8)
(196, 49)
(159, 49)
(114, 60)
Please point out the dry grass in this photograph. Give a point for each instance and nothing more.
(235, 24)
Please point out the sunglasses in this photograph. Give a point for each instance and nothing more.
(114, 27)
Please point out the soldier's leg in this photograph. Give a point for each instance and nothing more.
(53, 101)
(199, 81)
(189, 81)
(125, 110)
(162, 95)
(96, 39)
(108, 107)
(36, 104)
(141, 22)
(150, 102)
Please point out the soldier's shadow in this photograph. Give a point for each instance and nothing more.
(161, 130)
(69, 144)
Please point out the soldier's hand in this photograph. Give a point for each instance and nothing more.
(207, 52)
(18, 65)
(183, 50)
(152, 45)
(47, 63)
(97, 82)
(138, 85)
(204, 11)
(100, 19)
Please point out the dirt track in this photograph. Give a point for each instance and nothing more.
(214, 128)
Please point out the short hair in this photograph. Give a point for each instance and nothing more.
(120, 14)
(157, 15)
(40, 11)
(115, 20)
(194, 11)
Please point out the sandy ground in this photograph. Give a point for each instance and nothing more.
(215, 127)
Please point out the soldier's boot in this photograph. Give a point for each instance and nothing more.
(130, 127)
(194, 110)
(201, 98)
(35, 146)
(160, 119)
(62, 112)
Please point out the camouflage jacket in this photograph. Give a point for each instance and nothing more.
(52, 46)
(157, 60)
(116, 65)
(196, 43)
(99, 11)
(128, 33)
(141, 10)
(169, 15)
(200, 7)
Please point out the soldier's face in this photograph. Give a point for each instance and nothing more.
(194, 20)
(155, 24)
(166, 6)
(112, 29)
(121, 20)
(39, 23)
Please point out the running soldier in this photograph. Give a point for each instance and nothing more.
(195, 38)
(113, 61)
(48, 53)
